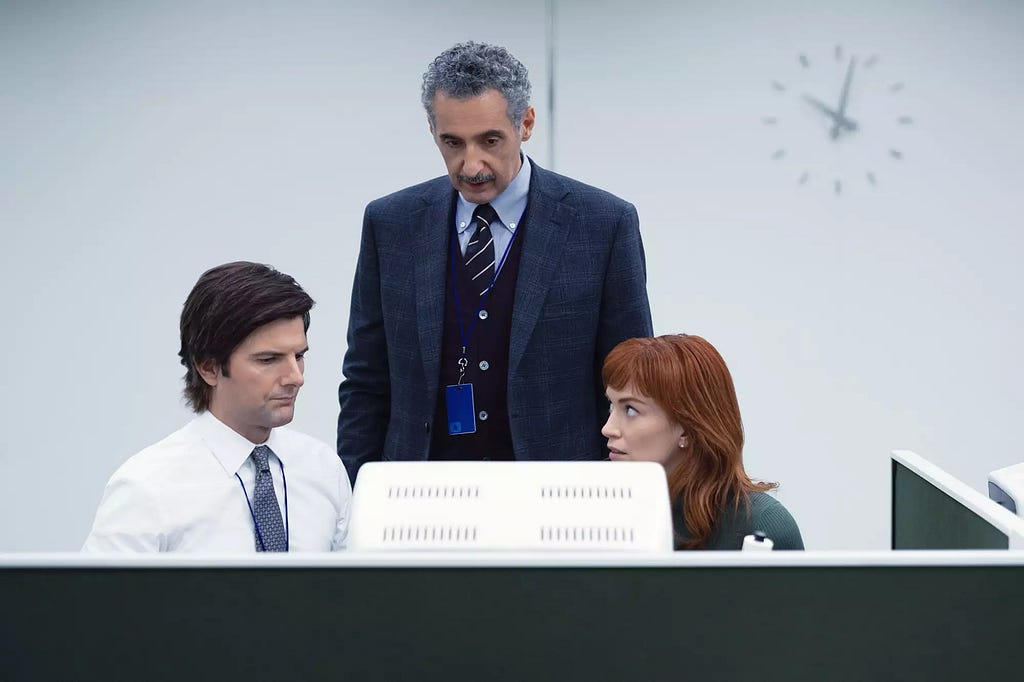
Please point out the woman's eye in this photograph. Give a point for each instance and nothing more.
(630, 411)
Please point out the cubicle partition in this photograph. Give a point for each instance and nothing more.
(932, 509)
(763, 616)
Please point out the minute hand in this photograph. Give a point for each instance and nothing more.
(844, 95)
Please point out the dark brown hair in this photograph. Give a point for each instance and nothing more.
(227, 304)
(688, 379)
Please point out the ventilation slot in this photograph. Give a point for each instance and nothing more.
(584, 492)
(587, 534)
(430, 534)
(450, 492)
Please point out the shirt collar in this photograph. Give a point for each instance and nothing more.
(509, 205)
(229, 447)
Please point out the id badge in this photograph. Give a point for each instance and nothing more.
(461, 412)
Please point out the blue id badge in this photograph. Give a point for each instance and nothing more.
(461, 412)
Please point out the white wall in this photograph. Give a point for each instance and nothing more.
(885, 317)
(141, 143)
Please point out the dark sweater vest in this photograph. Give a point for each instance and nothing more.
(489, 344)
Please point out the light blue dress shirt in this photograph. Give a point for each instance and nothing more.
(509, 205)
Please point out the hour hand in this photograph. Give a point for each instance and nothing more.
(838, 120)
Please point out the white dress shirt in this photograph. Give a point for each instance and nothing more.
(181, 494)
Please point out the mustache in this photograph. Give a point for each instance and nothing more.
(479, 177)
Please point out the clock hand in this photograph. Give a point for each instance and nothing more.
(838, 119)
(846, 86)
(844, 95)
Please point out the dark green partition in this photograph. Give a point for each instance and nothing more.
(925, 517)
(728, 622)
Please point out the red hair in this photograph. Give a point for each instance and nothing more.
(688, 379)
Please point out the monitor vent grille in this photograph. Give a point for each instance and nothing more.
(428, 533)
(451, 492)
(587, 492)
(571, 534)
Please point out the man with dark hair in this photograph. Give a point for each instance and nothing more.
(485, 302)
(233, 479)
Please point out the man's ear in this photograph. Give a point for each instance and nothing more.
(526, 127)
(430, 125)
(209, 370)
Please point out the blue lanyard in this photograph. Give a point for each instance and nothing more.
(463, 362)
(287, 526)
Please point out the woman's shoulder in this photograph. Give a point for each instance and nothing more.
(771, 517)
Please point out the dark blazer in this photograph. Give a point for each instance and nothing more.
(581, 289)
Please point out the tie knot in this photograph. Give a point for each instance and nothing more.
(261, 455)
(485, 215)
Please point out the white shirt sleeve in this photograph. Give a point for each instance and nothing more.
(128, 519)
(340, 539)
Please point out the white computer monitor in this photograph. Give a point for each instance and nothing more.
(932, 509)
(511, 506)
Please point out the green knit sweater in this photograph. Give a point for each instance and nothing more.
(765, 514)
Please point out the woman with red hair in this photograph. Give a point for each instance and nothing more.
(673, 402)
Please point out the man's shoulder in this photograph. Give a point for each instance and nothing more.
(154, 461)
(155, 466)
(556, 184)
(410, 198)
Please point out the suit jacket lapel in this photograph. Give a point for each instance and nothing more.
(549, 222)
(431, 258)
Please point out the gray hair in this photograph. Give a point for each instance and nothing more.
(469, 69)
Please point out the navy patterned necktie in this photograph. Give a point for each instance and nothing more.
(480, 250)
(264, 506)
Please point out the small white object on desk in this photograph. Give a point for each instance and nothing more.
(758, 542)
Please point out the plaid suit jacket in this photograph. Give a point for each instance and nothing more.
(582, 288)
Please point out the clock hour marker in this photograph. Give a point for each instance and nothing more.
(871, 178)
(779, 153)
(839, 53)
(804, 61)
(895, 87)
(905, 120)
(769, 120)
(839, 186)
(896, 154)
(871, 61)
(778, 86)
(804, 177)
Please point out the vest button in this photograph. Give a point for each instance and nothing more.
(484, 365)
(482, 314)
(426, 426)
(483, 415)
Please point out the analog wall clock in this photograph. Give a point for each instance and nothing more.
(837, 120)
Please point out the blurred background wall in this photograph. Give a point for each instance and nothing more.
(863, 290)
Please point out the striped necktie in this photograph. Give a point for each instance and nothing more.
(480, 250)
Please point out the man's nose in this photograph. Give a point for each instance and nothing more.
(473, 162)
(294, 375)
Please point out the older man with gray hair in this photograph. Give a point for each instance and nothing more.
(484, 303)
